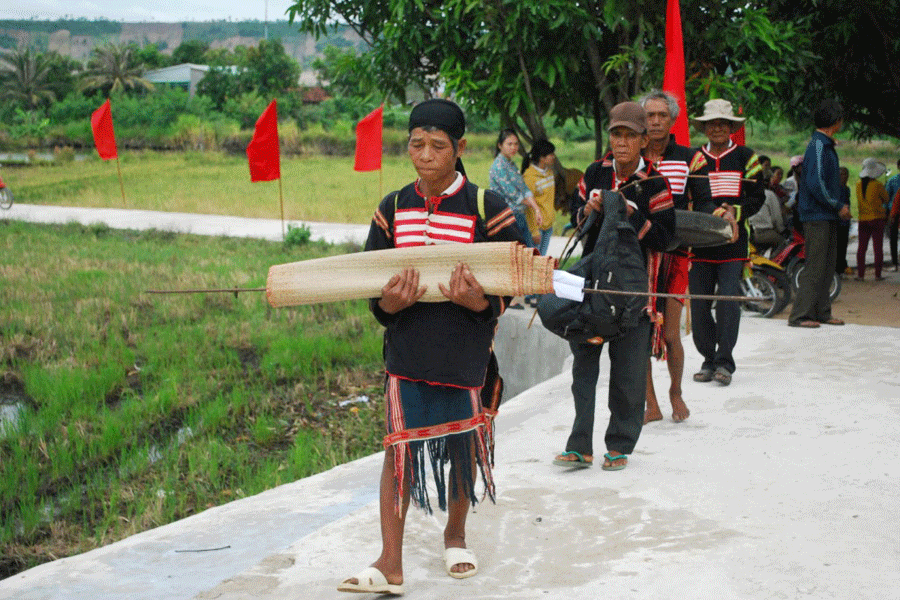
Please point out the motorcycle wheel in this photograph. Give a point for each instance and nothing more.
(6, 198)
(782, 285)
(833, 291)
(765, 298)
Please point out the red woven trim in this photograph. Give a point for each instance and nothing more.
(644, 229)
(509, 221)
(461, 387)
(501, 216)
(698, 162)
(435, 431)
(661, 201)
(382, 223)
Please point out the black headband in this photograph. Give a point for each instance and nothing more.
(440, 113)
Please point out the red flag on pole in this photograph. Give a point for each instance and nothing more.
(104, 136)
(739, 136)
(673, 79)
(263, 151)
(368, 141)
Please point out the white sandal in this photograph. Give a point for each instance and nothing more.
(371, 581)
(460, 556)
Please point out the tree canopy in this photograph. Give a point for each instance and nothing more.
(857, 45)
(559, 59)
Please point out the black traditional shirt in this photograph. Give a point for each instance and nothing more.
(736, 178)
(440, 342)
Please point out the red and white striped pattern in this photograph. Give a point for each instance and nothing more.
(725, 184)
(415, 227)
(676, 173)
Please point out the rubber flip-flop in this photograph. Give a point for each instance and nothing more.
(460, 556)
(372, 581)
(612, 459)
(580, 461)
(703, 375)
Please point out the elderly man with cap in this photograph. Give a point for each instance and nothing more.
(651, 212)
(737, 187)
(438, 358)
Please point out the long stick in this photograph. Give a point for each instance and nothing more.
(588, 290)
(121, 185)
(281, 201)
(685, 296)
(234, 291)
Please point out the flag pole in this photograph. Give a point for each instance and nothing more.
(281, 202)
(121, 184)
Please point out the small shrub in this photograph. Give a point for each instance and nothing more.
(297, 235)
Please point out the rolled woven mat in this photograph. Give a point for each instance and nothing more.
(500, 268)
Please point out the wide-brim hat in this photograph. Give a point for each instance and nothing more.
(718, 109)
(872, 168)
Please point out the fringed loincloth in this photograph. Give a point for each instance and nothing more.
(450, 426)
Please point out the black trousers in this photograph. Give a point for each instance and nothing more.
(628, 357)
(843, 237)
(892, 239)
(813, 301)
(716, 337)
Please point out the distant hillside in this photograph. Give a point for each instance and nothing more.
(77, 37)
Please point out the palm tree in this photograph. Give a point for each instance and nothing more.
(113, 69)
(25, 78)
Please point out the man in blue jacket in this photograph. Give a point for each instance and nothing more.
(819, 206)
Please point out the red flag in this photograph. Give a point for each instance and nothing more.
(673, 79)
(739, 136)
(263, 151)
(368, 141)
(104, 136)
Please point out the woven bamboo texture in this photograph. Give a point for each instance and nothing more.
(502, 269)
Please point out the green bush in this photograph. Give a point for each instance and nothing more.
(297, 236)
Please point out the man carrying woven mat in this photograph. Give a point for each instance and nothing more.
(437, 354)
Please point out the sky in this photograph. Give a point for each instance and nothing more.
(162, 11)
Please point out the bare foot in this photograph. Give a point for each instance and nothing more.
(652, 414)
(680, 410)
(458, 542)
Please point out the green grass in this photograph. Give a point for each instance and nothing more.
(141, 410)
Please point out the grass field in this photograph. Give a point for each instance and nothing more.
(138, 410)
(314, 188)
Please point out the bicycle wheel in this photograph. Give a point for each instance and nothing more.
(765, 298)
(6, 198)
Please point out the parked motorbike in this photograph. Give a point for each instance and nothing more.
(768, 283)
(792, 257)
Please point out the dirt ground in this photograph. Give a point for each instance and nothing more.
(866, 302)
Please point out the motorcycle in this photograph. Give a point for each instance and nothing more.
(6, 196)
(791, 256)
(767, 282)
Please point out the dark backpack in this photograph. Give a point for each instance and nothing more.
(616, 263)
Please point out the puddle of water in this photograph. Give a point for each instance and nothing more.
(10, 415)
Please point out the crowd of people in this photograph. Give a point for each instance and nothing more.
(441, 378)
